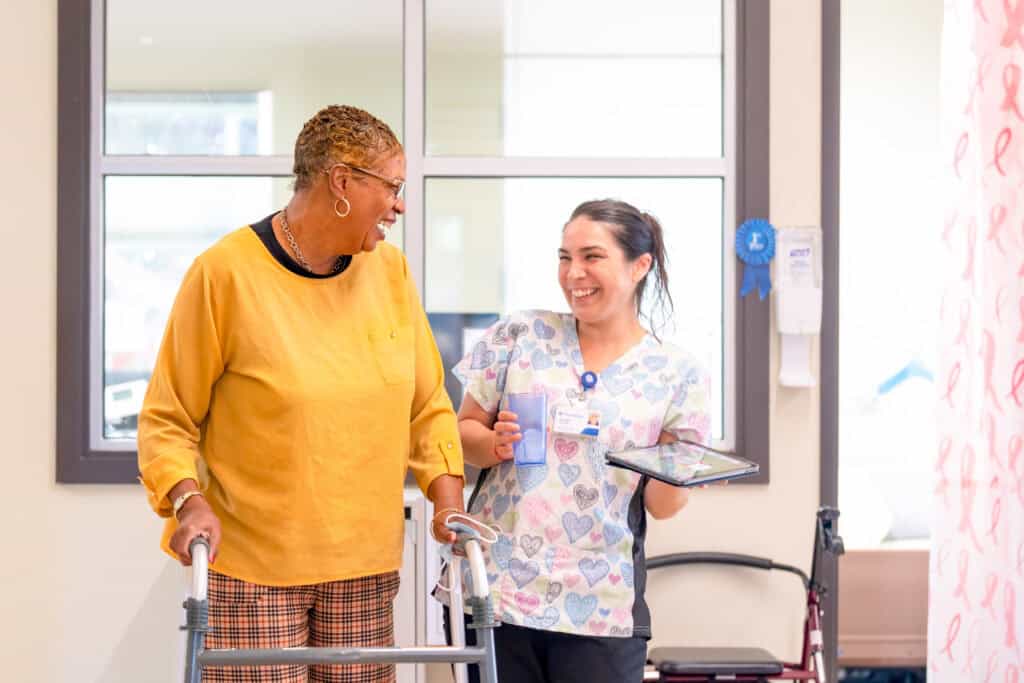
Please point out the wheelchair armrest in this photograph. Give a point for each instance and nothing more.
(733, 559)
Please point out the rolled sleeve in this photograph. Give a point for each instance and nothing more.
(435, 448)
(159, 476)
(447, 459)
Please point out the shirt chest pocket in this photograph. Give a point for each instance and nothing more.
(394, 353)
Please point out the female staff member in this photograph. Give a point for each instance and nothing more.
(569, 565)
(299, 368)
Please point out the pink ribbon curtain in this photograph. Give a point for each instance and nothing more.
(976, 589)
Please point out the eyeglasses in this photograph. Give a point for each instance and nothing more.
(396, 186)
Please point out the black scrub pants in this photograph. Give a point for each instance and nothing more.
(527, 655)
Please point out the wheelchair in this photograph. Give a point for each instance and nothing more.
(749, 664)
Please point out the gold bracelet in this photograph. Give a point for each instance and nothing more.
(179, 502)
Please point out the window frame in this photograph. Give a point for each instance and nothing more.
(84, 456)
(831, 43)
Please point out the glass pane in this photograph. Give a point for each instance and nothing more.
(189, 123)
(890, 218)
(146, 254)
(574, 78)
(492, 247)
(219, 78)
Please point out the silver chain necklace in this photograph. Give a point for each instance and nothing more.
(338, 264)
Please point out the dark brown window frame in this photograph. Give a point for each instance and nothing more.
(829, 408)
(78, 462)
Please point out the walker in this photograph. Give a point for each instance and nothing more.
(196, 626)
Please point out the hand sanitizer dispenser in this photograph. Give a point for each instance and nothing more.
(798, 299)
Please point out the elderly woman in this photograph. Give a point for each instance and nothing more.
(299, 370)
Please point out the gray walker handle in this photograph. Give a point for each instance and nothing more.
(196, 608)
(199, 550)
(197, 625)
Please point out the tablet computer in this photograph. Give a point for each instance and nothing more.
(683, 463)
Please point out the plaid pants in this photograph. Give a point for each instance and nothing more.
(350, 613)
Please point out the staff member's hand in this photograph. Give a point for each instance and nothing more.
(506, 434)
(195, 518)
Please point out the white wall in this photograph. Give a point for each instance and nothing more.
(87, 592)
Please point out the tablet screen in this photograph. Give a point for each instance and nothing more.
(683, 463)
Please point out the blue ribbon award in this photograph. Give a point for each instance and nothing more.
(755, 246)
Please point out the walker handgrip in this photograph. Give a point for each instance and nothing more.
(481, 588)
(199, 551)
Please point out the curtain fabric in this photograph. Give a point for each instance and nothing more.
(976, 589)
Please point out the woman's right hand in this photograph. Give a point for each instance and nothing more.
(196, 518)
(506, 434)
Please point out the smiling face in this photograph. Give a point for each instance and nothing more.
(597, 279)
(375, 208)
(351, 204)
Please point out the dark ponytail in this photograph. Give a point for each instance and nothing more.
(637, 233)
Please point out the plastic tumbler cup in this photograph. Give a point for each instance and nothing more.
(532, 411)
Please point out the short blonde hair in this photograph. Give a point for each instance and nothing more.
(340, 134)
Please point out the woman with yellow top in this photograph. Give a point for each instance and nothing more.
(299, 368)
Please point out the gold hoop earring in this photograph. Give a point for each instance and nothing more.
(348, 208)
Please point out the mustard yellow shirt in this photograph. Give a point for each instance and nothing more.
(307, 400)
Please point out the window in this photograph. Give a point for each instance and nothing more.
(188, 123)
(887, 336)
(513, 265)
(177, 121)
(145, 255)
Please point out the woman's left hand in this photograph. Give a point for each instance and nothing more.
(438, 529)
(446, 494)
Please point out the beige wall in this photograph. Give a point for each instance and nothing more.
(86, 591)
(87, 594)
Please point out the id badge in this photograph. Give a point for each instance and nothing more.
(577, 421)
